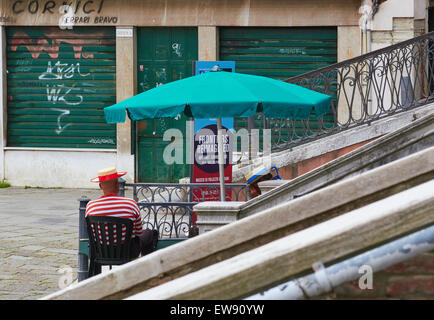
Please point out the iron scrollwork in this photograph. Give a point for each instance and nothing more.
(169, 207)
(363, 89)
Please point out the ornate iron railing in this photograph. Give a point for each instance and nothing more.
(190, 192)
(172, 220)
(168, 207)
(363, 89)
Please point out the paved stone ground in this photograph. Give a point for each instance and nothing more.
(38, 240)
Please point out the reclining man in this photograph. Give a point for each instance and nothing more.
(260, 174)
(111, 204)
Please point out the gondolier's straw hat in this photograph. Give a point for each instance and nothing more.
(256, 174)
(107, 174)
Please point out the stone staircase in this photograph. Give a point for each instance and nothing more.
(400, 143)
(256, 234)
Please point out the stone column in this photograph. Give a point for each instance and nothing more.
(349, 42)
(208, 43)
(349, 46)
(214, 214)
(126, 86)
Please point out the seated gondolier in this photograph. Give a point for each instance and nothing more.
(111, 204)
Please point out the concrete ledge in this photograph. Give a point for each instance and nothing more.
(269, 185)
(57, 168)
(216, 214)
(254, 231)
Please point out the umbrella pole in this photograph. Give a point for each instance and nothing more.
(221, 160)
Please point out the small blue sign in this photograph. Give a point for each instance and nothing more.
(205, 66)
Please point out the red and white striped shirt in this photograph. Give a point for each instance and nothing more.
(116, 206)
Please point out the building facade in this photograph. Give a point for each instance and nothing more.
(62, 62)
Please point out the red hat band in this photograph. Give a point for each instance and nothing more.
(107, 174)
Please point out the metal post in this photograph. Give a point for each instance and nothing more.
(248, 192)
(135, 197)
(3, 100)
(83, 240)
(121, 187)
(221, 159)
(250, 127)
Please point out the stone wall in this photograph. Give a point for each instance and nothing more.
(297, 169)
(412, 279)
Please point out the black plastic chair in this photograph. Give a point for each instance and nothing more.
(103, 250)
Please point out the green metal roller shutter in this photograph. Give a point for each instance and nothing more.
(59, 81)
(164, 54)
(279, 53)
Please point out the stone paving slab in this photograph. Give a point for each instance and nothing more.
(64, 251)
(32, 248)
(38, 240)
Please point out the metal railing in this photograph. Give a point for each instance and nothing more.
(363, 89)
(168, 207)
(165, 207)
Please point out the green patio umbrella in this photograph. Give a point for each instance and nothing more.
(219, 94)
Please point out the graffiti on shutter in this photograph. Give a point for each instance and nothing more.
(59, 81)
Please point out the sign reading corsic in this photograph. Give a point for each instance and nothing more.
(51, 7)
(67, 13)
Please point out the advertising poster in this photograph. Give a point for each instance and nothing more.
(205, 167)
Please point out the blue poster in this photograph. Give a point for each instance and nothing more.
(205, 167)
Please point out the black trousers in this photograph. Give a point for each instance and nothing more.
(144, 244)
